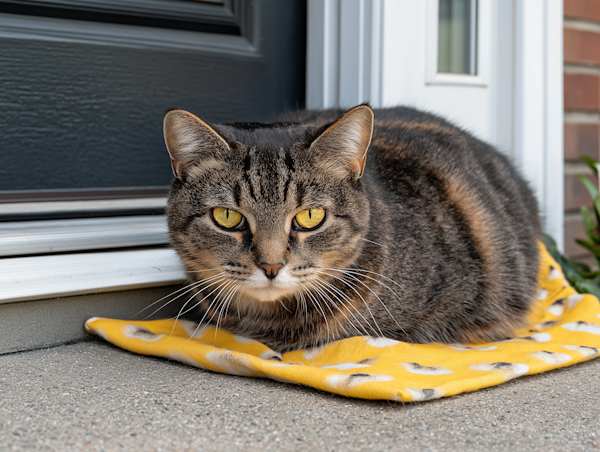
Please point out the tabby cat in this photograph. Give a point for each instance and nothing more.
(390, 222)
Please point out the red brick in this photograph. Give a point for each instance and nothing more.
(582, 9)
(576, 195)
(582, 47)
(582, 139)
(574, 230)
(582, 92)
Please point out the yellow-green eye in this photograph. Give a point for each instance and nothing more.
(310, 218)
(226, 217)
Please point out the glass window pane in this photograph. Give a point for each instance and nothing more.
(457, 35)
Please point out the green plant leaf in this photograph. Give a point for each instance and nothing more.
(597, 206)
(595, 249)
(581, 268)
(591, 275)
(591, 163)
(589, 185)
(589, 225)
(587, 287)
(579, 275)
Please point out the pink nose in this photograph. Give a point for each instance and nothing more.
(271, 269)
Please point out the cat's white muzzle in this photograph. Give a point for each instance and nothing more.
(261, 288)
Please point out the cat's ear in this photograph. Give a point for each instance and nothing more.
(343, 146)
(190, 141)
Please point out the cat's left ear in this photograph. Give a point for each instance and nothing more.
(191, 142)
(342, 148)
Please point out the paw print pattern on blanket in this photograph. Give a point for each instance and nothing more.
(564, 329)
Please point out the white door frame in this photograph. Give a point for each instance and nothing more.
(345, 67)
(538, 106)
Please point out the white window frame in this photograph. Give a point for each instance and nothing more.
(483, 38)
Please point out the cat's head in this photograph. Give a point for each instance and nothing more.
(268, 209)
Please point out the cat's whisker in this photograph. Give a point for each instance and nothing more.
(333, 287)
(324, 284)
(283, 305)
(350, 274)
(212, 302)
(194, 305)
(225, 306)
(298, 303)
(303, 304)
(230, 300)
(181, 312)
(187, 286)
(317, 305)
(190, 288)
(300, 294)
(380, 300)
(237, 302)
(360, 296)
(204, 270)
(377, 281)
(327, 301)
(219, 309)
(230, 296)
(358, 269)
(219, 300)
(327, 296)
(374, 243)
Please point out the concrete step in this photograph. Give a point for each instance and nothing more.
(94, 396)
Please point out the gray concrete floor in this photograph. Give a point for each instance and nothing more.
(93, 396)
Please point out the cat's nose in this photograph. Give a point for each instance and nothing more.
(271, 269)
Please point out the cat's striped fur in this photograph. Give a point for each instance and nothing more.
(436, 241)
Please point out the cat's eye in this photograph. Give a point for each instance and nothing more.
(310, 218)
(228, 218)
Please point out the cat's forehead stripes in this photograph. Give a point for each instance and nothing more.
(267, 176)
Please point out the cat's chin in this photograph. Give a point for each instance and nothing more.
(260, 288)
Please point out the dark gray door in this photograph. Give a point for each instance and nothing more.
(84, 84)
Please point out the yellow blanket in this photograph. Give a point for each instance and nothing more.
(564, 330)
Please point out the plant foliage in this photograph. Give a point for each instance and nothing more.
(579, 275)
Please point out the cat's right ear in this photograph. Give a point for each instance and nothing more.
(342, 148)
(190, 141)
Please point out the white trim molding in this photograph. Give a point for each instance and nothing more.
(93, 205)
(322, 54)
(538, 106)
(43, 277)
(19, 238)
(344, 48)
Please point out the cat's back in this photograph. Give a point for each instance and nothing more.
(466, 197)
(408, 142)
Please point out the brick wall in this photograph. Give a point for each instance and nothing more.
(582, 109)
